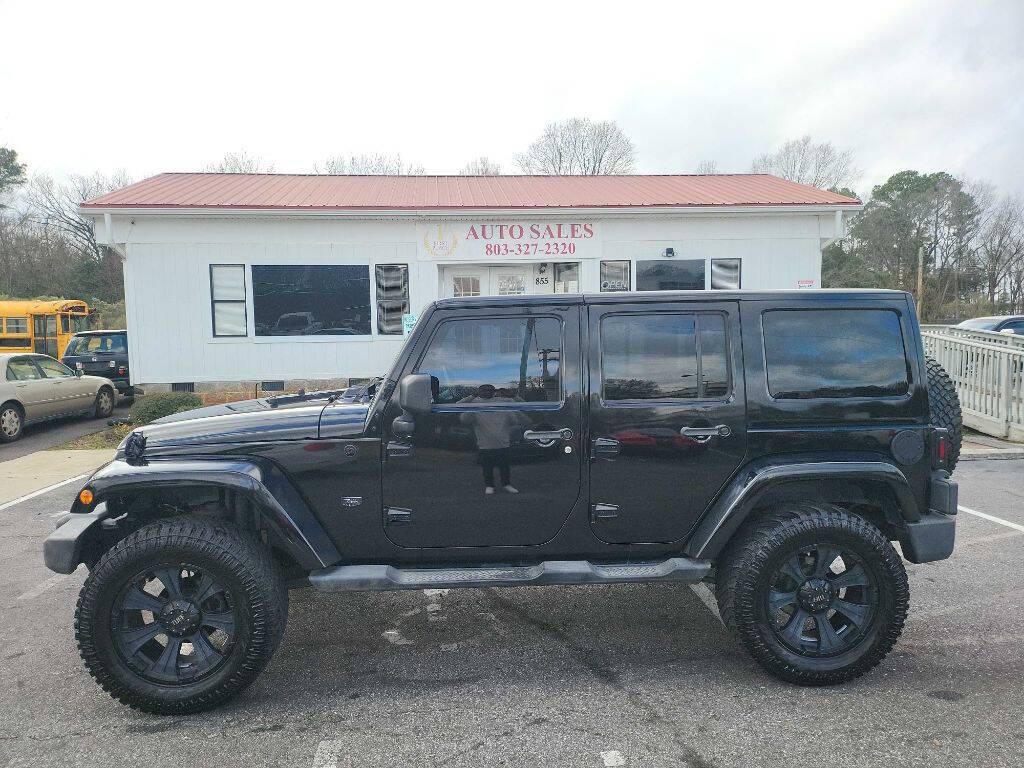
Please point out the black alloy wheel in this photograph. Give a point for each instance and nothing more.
(174, 623)
(821, 601)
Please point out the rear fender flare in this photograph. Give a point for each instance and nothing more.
(741, 497)
(279, 505)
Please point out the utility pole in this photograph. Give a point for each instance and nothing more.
(920, 281)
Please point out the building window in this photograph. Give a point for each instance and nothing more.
(834, 353)
(670, 275)
(465, 285)
(495, 360)
(227, 299)
(725, 274)
(614, 276)
(313, 300)
(392, 297)
(567, 277)
(17, 325)
(658, 357)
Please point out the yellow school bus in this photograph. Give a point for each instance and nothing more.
(44, 327)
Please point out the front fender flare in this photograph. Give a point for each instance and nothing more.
(751, 484)
(280, 506)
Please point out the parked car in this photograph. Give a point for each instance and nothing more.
(101, 353)
(996, 324)
(38, 388)
(813, 432)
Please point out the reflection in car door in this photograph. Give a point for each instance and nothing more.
(496, 462)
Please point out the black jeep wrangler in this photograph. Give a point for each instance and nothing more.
(772, 444)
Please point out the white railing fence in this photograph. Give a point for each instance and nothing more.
(988, 374)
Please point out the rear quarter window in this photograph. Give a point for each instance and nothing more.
(834, 353)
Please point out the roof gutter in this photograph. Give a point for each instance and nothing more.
(463, 213)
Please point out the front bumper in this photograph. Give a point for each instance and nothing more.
(62, 550)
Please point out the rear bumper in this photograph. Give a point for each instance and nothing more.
(934, 535)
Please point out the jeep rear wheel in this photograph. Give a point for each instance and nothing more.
(180, 616)
(817, 595)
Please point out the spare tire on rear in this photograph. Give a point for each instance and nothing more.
(944, 408)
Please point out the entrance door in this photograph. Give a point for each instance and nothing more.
(496, 461)
(667, 416)
(485, 280)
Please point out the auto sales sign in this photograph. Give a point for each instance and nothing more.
(500, 241)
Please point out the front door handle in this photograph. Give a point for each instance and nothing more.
(548, 436)
(703, 434)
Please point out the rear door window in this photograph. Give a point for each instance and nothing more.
(22, 370)
(834, 353)
(663, 356)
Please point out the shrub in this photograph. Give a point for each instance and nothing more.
(160, 404)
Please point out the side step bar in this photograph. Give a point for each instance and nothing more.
(376, 578)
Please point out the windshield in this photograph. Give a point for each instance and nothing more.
(980, 323)
(102, 344)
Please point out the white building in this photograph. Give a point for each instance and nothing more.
(237, 277)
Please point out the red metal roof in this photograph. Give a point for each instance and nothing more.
(342, 193)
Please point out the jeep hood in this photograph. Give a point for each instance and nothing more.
(251, 421)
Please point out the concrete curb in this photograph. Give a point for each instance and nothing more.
(994, 454)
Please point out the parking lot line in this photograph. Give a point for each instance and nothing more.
(40, 492)
(42, 586)
(993, 518)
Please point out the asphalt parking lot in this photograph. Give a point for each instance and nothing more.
(587, 676)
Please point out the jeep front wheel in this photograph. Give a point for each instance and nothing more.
(181, 615)
(817, 595)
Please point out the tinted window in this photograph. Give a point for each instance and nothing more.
(328, 300)
(105, 344)
(1017, 326)
(980, 323)
(497, 359)
(657, 357)
(392, 297)
(670, 275)
(834, 353)
(52, 369)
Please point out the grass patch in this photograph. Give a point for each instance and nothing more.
(110, 438)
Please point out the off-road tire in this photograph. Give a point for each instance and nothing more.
(104, 405)
(11, 414)
(944, 408)
(238, 559)
(750, 559)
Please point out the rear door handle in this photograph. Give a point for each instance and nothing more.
(548, 436)
(703, 434)
(605, 448)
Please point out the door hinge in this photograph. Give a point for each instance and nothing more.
(603, 512)
(399, 515)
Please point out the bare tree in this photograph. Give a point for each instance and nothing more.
(1001, 247)
(369, 165)
(240, 162)
(56, 206)
(579, 147)
(707, 168)
(481, 166)
(819, 164)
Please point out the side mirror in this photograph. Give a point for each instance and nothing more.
(415, 395)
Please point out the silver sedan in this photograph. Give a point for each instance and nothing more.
(38, 388)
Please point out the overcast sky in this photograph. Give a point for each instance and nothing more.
(151, 87)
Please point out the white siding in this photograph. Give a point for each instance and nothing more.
(168, 291)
